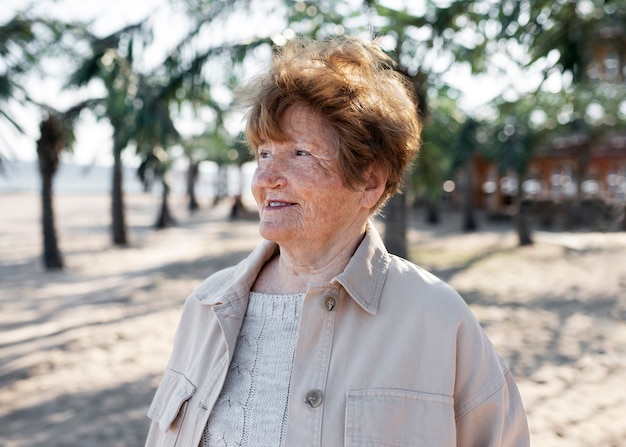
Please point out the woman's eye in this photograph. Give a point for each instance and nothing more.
(301, 153)
(263, 154)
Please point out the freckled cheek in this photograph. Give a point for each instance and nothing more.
(257, 194)
(256, 176)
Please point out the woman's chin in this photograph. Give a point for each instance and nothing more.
(272, 231)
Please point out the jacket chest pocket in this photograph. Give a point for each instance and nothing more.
(170, 403)
(399, 418)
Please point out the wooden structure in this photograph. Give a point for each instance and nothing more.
(557, 174)
(567, 185)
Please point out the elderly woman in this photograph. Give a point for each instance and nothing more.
(321, 337)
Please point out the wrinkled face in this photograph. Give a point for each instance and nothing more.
(300, 193)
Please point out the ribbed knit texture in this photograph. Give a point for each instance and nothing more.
(252, 407)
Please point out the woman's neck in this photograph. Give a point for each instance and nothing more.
(295, 266)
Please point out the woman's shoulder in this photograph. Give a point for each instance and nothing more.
(214, 282)
(405, 272)
(414, 286)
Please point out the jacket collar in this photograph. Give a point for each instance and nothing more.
(365, 274)
(234, 283)
(363, 277)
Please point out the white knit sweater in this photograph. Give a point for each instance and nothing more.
(252, 407)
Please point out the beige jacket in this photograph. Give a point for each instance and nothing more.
(387, 355)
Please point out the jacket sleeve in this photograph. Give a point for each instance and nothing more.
(498, 421)
(488, 406)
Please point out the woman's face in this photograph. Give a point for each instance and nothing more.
(300, 193)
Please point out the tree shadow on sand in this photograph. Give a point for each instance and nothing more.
(108, 417)
(129, 296)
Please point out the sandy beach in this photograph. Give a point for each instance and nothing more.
(82, 350)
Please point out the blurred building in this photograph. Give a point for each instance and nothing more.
(576, 178)
(568, 170)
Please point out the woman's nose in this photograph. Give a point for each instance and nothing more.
(269, 174)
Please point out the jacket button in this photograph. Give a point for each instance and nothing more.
(314, 398)
(329, 303)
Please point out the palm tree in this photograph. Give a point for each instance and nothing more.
(195, 151)
(112, 64)
(49, 146)
(238, 154)
(154, 134)
(212, 145)
(189, 75)
(21, 50)
(56, 135)
(193, 172)
(154, 166)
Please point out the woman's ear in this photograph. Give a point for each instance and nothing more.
(376, 180)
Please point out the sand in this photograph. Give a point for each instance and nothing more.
(82, 350)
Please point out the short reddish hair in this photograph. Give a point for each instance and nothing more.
(369, 107)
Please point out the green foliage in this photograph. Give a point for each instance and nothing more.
(569, 30)
(25, 42)
(133, 104)
(217, 146)
(16, 38)
(435, 163)
(509, 142)
(17, 56)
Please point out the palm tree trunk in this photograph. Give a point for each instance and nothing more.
(237, 209)
(521, 218)
(432, 211)
(467, 194)
(51, 254)
(165, 218)
(221, 185)
(395, 215)
(118, 225)
(192, 177)
(521, 223)
(49, 146)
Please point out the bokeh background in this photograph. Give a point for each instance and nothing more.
(124, 182)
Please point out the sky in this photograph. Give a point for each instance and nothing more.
(93, 144)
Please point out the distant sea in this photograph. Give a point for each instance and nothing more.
(23, 177)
